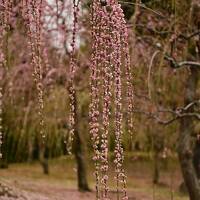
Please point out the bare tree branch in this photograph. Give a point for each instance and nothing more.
(175, 64)
(149, 72)
(155, 117)
(187, 37)
(176, 114)
(143, 6)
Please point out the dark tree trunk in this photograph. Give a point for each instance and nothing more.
(30, 149)
(3, 163)
(187, 155)
(80, 153)
(45, 166)
(185, 150)
(196, 158)
(43, 158)
(4, 159)
(158, 147)
(156, 174)
(81, 166)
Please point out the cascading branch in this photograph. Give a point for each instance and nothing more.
(1, 77)
(110, 55)
(94, 111)
(1, 93)
(32, 11)
(71, 84)
(4, 26)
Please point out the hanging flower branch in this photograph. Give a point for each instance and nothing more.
(1, 78)
(1, 92)
(95, 92)
(71, 86)
(7, 11)
(118, 104)
(129, 86)
(110, 50)
(4, 27)
(101, 61)
(33, 16)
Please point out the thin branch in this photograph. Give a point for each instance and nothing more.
(177, 115)
(149, 72)
(155, 117)
(195, 115)
(175, 64)
(152, 30)
(191, 104)
(187, 37)
(142, 6)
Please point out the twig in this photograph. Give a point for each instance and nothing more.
(149, 72)
(175, 64)
(142, 6)
(177, 115)
(187, 37)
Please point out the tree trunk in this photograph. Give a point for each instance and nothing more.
(185, 151)
(81, 166)
(156, 174)
(30, 149)
(196, 158)
(80, 154)
(4, 159)
(43, 159)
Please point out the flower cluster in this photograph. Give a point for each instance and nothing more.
(129, 86)
(32, 11)
(101, 76)
(94, 111)
(110, 49)
(1, 95)
(1, 102)
(7, 6)
(4, 26)
(71, 84)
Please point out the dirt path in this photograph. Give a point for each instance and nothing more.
(40, 191)
(29, 183)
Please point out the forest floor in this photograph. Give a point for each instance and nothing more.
(27, 182)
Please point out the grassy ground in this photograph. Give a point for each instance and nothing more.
(61, 183)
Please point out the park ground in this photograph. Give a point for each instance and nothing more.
(28, 182)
